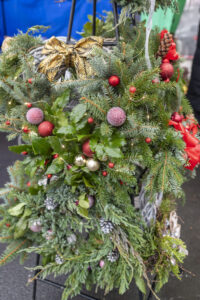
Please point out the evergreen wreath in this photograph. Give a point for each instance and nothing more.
(95, 192)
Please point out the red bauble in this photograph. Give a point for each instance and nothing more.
(114, 80)
(176, 117)
(121, 182)
(104, 173)
(56, 155)
(26, 130)
(166, 70)
(28, 183)
(111, 165)
(29, 105)
(148, 140)
(90, 120)
(132, 89)
(46, 162)
(30, 80)
(8, 123)
(86, 149)
(7, 224)
(24, 153)
(49, 176)
(69, 167)
(45, 128)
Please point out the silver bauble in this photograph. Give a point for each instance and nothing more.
(80, 161)
(93, 165)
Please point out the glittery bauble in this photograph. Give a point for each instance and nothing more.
(45, 128)
(116, 116)
(93, 165)
(35, 226)
(91, 200)
(34, 116)
(166, 70)
(86, 149)
(80, 161)
(101, 263)
(114, 80)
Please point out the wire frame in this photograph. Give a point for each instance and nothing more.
(116, 18)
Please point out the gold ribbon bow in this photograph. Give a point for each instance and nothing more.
(59, 55)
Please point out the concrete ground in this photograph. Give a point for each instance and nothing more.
(13, 277)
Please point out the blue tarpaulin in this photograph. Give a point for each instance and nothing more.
(22, 14)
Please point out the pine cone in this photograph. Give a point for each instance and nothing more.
(59, 260)
(50, 204)
(106, 226)
(113, 256)
(165, 44)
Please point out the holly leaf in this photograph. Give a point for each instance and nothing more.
(113, 152)
(17, 209)
(56, 166)
(83, 212)
(67, 130)
(78, 112)
(41, 146)
(20, 228)
(55, 144)
(61, 101)
(19, 149)
(83, 201)
(87, 183)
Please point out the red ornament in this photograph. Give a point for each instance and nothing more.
(90, 120)
(86, 149)
(166, 70)
(114, 80)
(7, 123)
(28, 183)
(7, 224)
(25, 129)
(167, 80)
(176, 117)
(69, 167)
(24, 153)
(104, 173)
(29, 105)
(45, 128)
(111, 165)
(56, 155)
(76, 202)
(132, 89)
(30, 80)
(148, 140)
(49, 176)
(121, 182)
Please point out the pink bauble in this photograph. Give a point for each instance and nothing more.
(116, 116)
(101, 263)
(45, 128)
(35, 226)
(91, 200)
(35, 116)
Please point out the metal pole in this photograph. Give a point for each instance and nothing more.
(116, 19)
(3, 18)
(35, 281)
(94, 17)
(71, 19)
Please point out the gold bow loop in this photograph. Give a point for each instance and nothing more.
(59, 55)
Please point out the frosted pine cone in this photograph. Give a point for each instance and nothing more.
(59, 260)
(113, 256)
(50, 204)
(71, 239)
(106, 226)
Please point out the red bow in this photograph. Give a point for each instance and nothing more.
(192, 143)
(171, 54)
